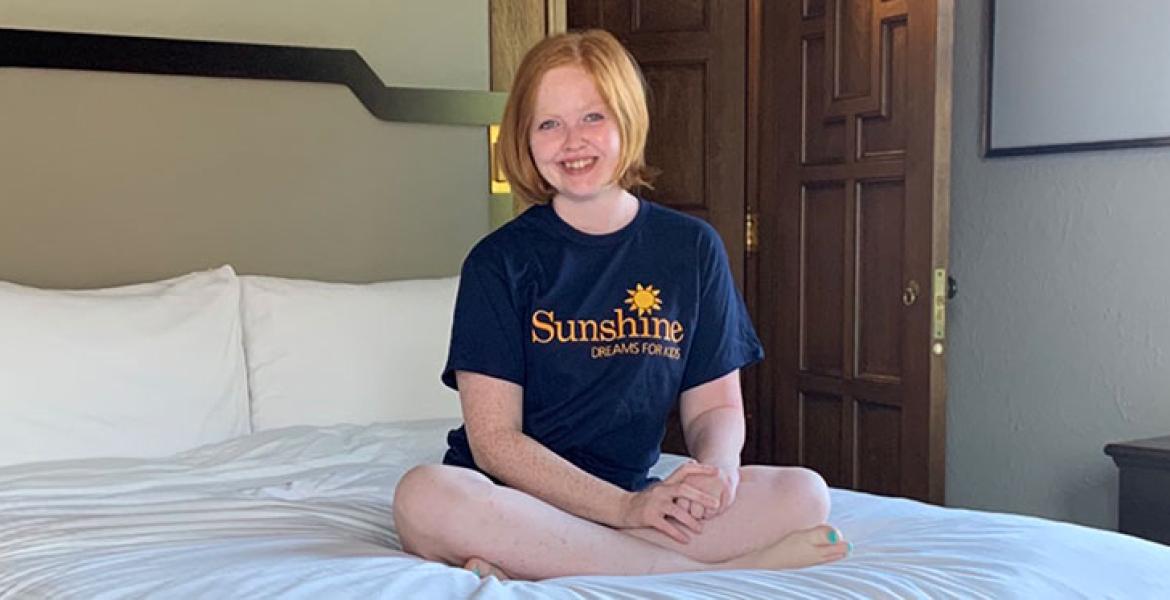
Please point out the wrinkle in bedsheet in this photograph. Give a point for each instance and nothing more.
(305, 513)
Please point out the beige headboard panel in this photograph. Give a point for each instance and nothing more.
(113, 178)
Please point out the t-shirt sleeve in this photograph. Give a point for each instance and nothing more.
(723, 338)
(486, 332)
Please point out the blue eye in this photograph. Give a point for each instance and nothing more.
(592, 117)
(549, 124)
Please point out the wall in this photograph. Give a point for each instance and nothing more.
(111, 178)
(1060, 334)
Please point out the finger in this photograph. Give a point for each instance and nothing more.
(684, 503)
(685, 518)
(697, 467)
(695, 495)
(718, 508)
(697, 510)
(707, 485)
(692, 468)
(672, 531)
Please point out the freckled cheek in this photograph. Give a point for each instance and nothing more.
(543, 148)
(543, 159)
(541, 156)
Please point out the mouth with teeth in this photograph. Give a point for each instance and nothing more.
(579, 165)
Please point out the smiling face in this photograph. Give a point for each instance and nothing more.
(574, 137)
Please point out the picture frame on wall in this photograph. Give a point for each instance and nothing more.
(1076, 75)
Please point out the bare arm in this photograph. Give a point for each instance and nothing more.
(493, 412)
(712, 420)
(713, 425)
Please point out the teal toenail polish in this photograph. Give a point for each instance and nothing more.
(850, 548)
(476, 571)
(833, 536)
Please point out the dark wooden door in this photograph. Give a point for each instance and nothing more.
(828, 122)
(693, 55)
(854, 147)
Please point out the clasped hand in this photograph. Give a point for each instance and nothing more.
(678, 505)
(722, 485)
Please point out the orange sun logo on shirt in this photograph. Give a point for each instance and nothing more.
(644, 299)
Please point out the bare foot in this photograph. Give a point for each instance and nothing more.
(798, 549)
(484, 569)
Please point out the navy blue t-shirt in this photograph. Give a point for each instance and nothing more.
(603, 332)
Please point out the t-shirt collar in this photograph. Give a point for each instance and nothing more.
(557, 224)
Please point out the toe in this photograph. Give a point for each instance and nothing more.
(478, 566)
(484, 569)
(836, 551)
(824, 535)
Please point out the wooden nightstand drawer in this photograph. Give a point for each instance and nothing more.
(1143, 505)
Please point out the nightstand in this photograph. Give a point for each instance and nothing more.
(1143, 504)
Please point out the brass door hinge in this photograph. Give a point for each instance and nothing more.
(938, 317)
(751, 233)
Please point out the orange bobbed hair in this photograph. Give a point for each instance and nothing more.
(618, 81)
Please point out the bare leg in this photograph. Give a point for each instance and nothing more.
(771, 503)
(453, 515)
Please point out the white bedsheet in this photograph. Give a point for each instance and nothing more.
(304, 513)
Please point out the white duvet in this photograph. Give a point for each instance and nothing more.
(304, 513)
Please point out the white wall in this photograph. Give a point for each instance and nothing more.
(1060, 334)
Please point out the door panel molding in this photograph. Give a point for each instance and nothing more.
(854, 220)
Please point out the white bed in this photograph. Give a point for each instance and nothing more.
(227, 392)
(303, 512)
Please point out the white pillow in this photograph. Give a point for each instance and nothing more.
(326, 353)
(135, 371)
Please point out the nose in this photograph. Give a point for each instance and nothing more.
(574, 138)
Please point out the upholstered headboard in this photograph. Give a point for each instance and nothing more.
(131, 159)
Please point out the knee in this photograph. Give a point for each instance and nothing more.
(409, 506)
(807, 492)
(425, 500)
(412, 493)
